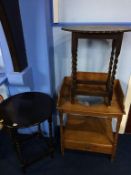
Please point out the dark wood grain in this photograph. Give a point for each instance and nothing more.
(98, 29)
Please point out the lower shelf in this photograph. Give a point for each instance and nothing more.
(89, 134)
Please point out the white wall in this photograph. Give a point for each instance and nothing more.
(94, 10)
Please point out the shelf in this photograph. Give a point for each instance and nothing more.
(115, 110)
(88, 134)
(89, 123)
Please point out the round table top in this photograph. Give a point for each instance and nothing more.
(98, 29)
(26, 109)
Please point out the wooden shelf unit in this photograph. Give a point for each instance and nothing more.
(89, 127)
(88, 134)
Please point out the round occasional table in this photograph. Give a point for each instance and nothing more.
(25, 110)
(96, 83)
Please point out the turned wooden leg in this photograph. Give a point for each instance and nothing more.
(110, 70)
(61, 133)
(39, 131)
(116, 138)
(50, 137)
(118, 43)
(13, 133)
(74, 66)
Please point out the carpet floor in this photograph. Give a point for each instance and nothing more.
(72, 163)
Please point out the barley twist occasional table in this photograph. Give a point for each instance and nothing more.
(96, 84)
